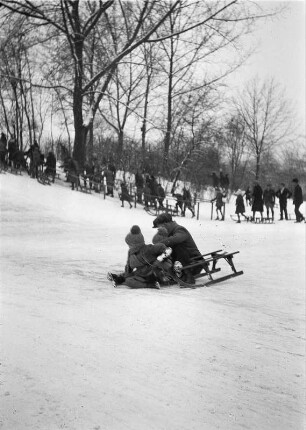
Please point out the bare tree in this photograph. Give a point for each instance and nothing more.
(266, 116)
(74, 21)
(235, 144)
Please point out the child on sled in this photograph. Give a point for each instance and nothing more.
(145, 267)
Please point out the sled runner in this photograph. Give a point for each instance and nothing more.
(43, 178)
(235, 218)
(16, 170)
(257, 220)
(208, 263)
(151, 210)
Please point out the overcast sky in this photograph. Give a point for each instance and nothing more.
(280, 52)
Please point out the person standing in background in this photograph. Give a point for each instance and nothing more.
(283, 194)
(297, 200)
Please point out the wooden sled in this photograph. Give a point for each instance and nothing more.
(208, 263)
(151, 210)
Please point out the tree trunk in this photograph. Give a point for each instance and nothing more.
(167, 140)
(79, 150)
(89, 149)
(257, 167)
(120, 143)
(145, 118)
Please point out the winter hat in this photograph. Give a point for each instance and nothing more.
(161, 234)
(135, 236)
(162, 219)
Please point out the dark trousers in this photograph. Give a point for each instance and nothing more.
(179, 253)
(299, 216)
(283, 210)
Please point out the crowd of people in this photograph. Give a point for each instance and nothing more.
(32, 160)
(262, 201)
(149, 191)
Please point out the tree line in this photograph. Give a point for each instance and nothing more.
(142, 82)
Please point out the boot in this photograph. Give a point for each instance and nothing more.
(189, 278)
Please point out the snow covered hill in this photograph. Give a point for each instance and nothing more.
(79, 354)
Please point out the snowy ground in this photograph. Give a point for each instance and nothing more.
(78, 354)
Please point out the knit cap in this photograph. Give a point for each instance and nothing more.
(135, 236)
(161, 234)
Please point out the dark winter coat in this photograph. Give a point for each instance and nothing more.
(124, 193)
(161, 192)
(109, 175)
(269, 197)
(36, 157)
(139, 271)
(153, 187)
(187, 196)
(240, 208)
(257, 195)
(181, 242)
(51, 161)
(297, 195)
(179, 200)
(73, 171)
(139, 180)
(283, 194)
(219, 199)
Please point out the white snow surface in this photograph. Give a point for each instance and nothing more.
(78, 354)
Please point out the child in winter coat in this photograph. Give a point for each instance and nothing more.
(240, 209)
(219, 203)
(124, 196)
(139, 270)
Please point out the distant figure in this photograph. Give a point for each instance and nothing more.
(12, 148)
(110, 180)
(248, 196)
(240, 208)
(269, 200)
(51, 165)
(139, 182)
(154, 191)
(160, 196)
(179, 202)
(125, 196)
(88, 174)
(36, 161)
(187, 199)
(297, 200)
(147, 194)
(73, 173)
(257, 196)
(3, 149)
(283, 194)
(220, 195)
